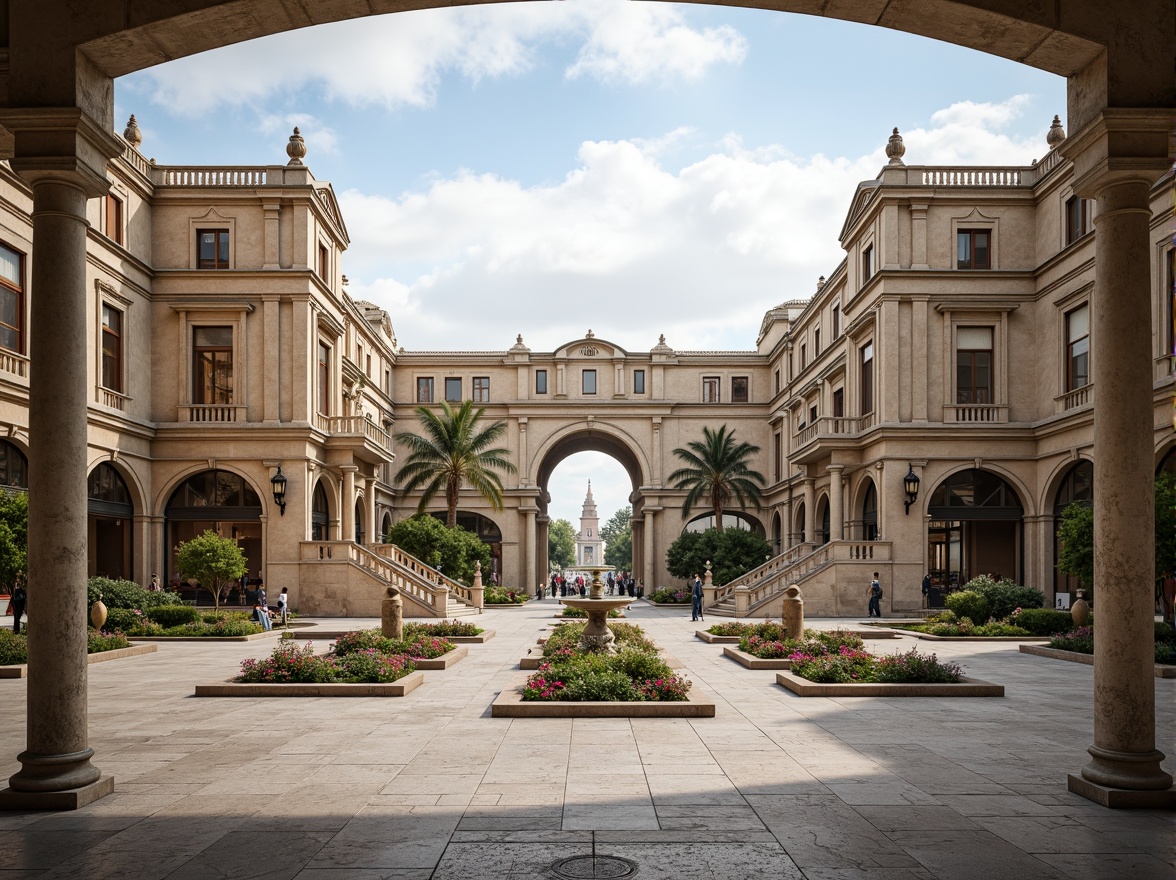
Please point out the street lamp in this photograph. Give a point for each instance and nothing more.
(278, 482)
(910, 485)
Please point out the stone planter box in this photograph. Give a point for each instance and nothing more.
(505, 605)
(409, 683)
(753, 662)
(270, 634)
(1161, 670)
(332, 634)
(930, 638)
(481, 639)
(685, 605)
(442, 662)
(510, 704)
(966, 687)
(21, 670)
(531, 661)
(715, 640)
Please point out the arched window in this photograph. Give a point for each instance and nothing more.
(221, 502)
(1077, 487)
(870, 513)
(320, 514)
(14, 467)
(977, 527)
(110, 515)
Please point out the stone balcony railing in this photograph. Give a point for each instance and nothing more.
(976, 412)
(212, 412)
(224, 175)
(112, 399)
(831, 426)
(1076, 398)
(14, 364)
(353, 426)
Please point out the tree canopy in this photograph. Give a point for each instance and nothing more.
(212, 561)
(732, 552)
(617, 533)
(561, 545)
(454, 450)
(14, 539)
(716, 473)
(452, 550)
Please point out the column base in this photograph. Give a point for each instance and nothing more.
(70, 799)
(1122, 798)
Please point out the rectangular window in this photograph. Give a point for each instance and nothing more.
(778, 446)
(541, 381)
(816, 342)
(639, 381)
(803, 355)
(710, 389)
(867, 377)
(588, 382)
(839, 403)
(1077, 218)
(974, 365)
(867, 264)
(369, 365)
(972, 248)
(324, 378)
(1078, 348)
(112, 333)
(739, 389)
(323, 262)
(212, 248)
(114, 215)
(813, 414)
(453, 389)
(11, 300)
(387, 381)
(212, 372)
(776, 379)
(424, 389)
(481, 389)
(836, 321)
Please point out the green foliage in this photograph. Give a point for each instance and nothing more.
(96, 642)
(618, 539)
(131, 621)
(1165, 632)
(502, 596)
(768, 641)
(14, 539)
(224, 627)
(915, 668)
(732, 553)
(566, 638)
(561, 545)
(173, 615)
(716, 473)
(632, 674)
(290, 664)
(581, 613)
(1004, 597)
(670, 596)
(14, 649)
(453, 550)
(1080, 640)
(592, 685)
(212, 561)
(126, 594)
(373, 667)
(733, 628)
(454, 450)
(1044, 621)
(851, 665)
(442, 628)
(969, 604)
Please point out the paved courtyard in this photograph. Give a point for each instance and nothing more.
(430, 786)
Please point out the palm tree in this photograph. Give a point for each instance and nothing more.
(454, 450)
(716, 471)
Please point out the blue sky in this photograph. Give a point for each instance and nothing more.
(543, 168)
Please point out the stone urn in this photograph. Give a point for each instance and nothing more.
(98, 613)
(1080, 610)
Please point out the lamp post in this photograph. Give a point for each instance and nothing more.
(278, 483)
(910, 485)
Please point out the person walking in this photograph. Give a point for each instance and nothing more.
(696, 599)
(875, 593)
(926, 588)
(283, 604)
(19, 598)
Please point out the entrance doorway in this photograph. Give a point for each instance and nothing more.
(977, 525)
(110, 533)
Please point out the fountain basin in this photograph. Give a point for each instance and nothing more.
(596, 631)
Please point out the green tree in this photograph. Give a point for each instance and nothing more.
(454, 551)
(14, 539)
(454, 450)
(618, 539)
(212, 561)
(731, 552)
(561, 544)
(716, 473)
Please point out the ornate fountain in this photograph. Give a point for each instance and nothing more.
(597, 605)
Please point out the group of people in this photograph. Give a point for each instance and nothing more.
(621, 584)
(265, 615)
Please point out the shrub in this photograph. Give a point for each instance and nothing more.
(223, 628)
(734, 628)
(855, 665)
(848, 665)
(14, 649)
(639, 665)
(365, 640)
(627, 676)
(427, 648)
(1004, 597)
(289, 663)
(671, 688)
(132, 622)
(501, 596)
(669, 595)
(1043, 621)
(595, 685)
(96, 642)
(370, 665)
(126, 594)
(173, 615)
(999, 628)
(969, 604)
(1080, 640)
(1166, 652)
(444, 628)
(1165, 632)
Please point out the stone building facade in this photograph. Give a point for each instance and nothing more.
(951, 346)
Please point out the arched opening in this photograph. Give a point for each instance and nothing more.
(320, 514)
(14, 467)
(488, 533)
(1077, 487)
(798, 523)
(869, 513)
(221, 502)
(777, 536)
(385, 525)
(822, 536)
(731, 520)
(110, 524)
(360, 531)
(1168, 462)
(977, 525)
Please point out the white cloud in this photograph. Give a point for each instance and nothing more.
(399, 60)
(626, 245)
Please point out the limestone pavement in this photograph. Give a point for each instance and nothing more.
(430, 786)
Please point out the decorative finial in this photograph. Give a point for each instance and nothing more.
(519, 339)
(1056, 133)
(296, 148)
(661, 339)
(895, 148)
(821, 282)
(345, 281)
(589, 334)
(131, 133)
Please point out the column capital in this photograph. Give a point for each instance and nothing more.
(1120, 144)
(63, 144)
(349, 468)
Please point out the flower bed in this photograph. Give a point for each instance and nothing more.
(14, 649)
(443, 628)
(768, 641)
(181, 621)
(571, 673)
(846, 665)
(493, 595)
(292, 664)
(671, 596)
(730, 628)
(1081, 641)
(1022, 623)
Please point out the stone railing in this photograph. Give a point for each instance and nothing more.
(212, 412)
(353, 425)
(976, 412)
(748, 596)
(972, 176)
(112, 399)
(768, 570)
(832, 426)
(137, 161)
(191, 175)
(428, 594)
(459, 591)
(1076, 398)
(14, 364)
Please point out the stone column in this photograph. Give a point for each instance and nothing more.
(836, 501)
(369, 498)
(62, 154)
(348, 504)
(810, 511)
(529, 577)
(647, 558)
(271, 348)
(542, 539)
(1116, 159)
(524, 465)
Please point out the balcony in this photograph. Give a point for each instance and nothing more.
(975, 413)
(810, 442)
(112, 399)
(211, 412)
(360, 434)
(14, 366)
(1076, 398)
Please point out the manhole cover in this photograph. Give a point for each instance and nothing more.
(594, 868)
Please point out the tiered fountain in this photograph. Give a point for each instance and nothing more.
(597, 605)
